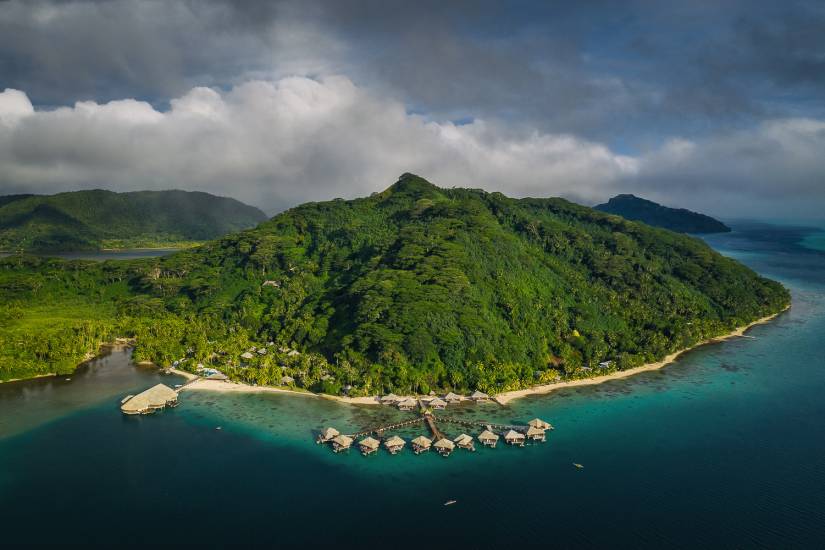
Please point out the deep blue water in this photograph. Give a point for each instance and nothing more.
(725, 448)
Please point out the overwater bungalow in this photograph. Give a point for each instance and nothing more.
(464, 441)
(512, 437)
(421, 444)
(328, 435)
(540, 424)
(438, 404)
(368, 445)
(394, 444)
(444, 447)
(478, 396)
(453, 398)
(341, 443)
(488, 438)
(535, 434)
(155, 398)
(407, 404)
(390, 399)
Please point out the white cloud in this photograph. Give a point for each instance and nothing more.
(283, 142)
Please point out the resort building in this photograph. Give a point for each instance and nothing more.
(155, 398)
(540, 424)
(512, 437)
(369, 445)
(390, 399)
(479, 396)
(452, 398)
(247, 355)
(444, 447)
(217, 376)
(328, 435)
(535, 434)
(464, 441)
(394, 444)
(488, 438)
(421, 444)
(438, 404)
(341, 443)
(407, 404)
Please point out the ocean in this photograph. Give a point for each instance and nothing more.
(724, 448)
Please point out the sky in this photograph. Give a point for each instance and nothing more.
(714, 106)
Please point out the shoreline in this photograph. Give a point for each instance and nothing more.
(502, 398)
(506, 397)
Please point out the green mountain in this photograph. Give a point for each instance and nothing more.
(676, 219)
(411, 289)
(88, 220)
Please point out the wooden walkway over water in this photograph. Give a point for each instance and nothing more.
(379, 430)
(431, 421)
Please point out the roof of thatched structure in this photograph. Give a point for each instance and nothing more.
(390, 398)
(463, 439)
(394, 441)
(479, 395)
(329, 433)
(532, 430)
(287, 380)
(438, 402)
(369, 442)
(422, 441)
(155, 397)
(247, 355)
(487, 434)
(408, 402)
(452, 397)
(444, 443)
(343, 440)
(539, 423)
(513, 434)
(217, 376)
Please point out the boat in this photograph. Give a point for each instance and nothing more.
(579, 466)
(218, 428)
(449, 502)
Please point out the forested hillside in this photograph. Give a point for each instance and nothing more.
(676, 219)
(89, 220)
(411, 289)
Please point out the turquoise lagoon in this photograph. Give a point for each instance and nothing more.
(724, 448)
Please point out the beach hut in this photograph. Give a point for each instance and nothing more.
(328, 435)
(368, 445)
(452, 398)
(407, 404)
(464, 441)
(156, 397)
(438, 404)
(217, 376)
(247, 355)
(478, 396)
(394, 444)
(390, 399)
(512, 437)
(488, 438)
(421, 444)
(444, 446)
(287, 380)
(540, 424)
(341, 443)
(535, 434)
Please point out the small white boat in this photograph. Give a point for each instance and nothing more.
(218, 428)
(579, 466)
(449, 502)
(68, 379)
(178, 385)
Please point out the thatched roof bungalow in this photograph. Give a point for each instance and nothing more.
(394, 444)
(453, 398)
(341, 443)
(444, 446)
(368, 445)
(540, 424)
(421, 444)
(217, 376)
(287, 380)
(156, 397)
(464, 441)
(479, 396)
(390, 399)
(407, 404)
(488, 438)
(535, 434)
(247, 355)
(438, 404)
(512, 437)
(328, 435)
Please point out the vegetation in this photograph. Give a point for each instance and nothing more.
(651, 213)
(90, 220)
(412, 289)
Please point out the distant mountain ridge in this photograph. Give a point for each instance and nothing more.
(89, 220)
(636, 208)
